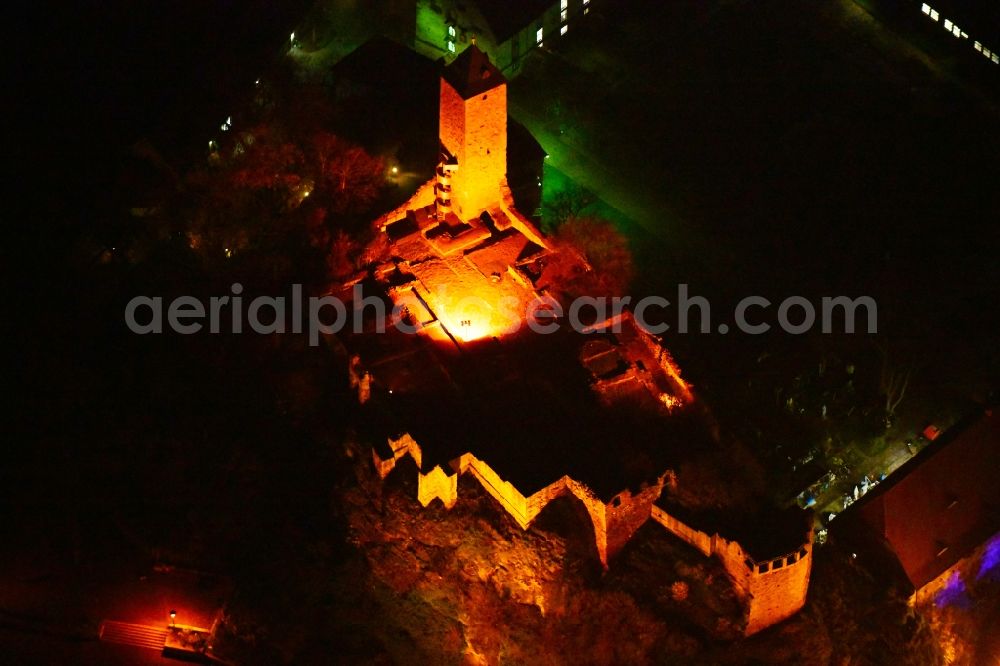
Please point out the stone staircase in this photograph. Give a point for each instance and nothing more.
(137, 635)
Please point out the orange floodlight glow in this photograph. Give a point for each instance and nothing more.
(471, 318)
(475, 312)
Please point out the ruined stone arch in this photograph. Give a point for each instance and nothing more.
(568, 517)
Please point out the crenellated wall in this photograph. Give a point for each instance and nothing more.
(614, 523)
(779, 592)
(775, 589)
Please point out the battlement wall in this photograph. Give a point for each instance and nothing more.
(775, 589)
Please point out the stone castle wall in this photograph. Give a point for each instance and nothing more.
(613, 523)
(689, 535)
(626, 513)
(474, 132)
(775, 589)
(780, 591)
(422, 198)
(503, 491)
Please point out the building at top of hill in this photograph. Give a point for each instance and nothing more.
(479, 376)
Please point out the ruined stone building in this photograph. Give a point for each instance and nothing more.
(467, 390)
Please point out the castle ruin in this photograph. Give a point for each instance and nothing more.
(603, 417)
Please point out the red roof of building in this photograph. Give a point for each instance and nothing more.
(942, 504)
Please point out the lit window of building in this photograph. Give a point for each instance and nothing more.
(564, 4)
(955, 31)
(926, 9)
(934, 14)
(978, 47)
(451, 46)
(948, 24)
(563, 30)
(539, 35)
(452, 32)
(564, 15)
(996, 59)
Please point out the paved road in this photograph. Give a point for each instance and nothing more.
(894, 456)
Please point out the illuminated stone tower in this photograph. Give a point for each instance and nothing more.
(473, 166)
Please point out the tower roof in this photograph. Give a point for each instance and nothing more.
(472, 73)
